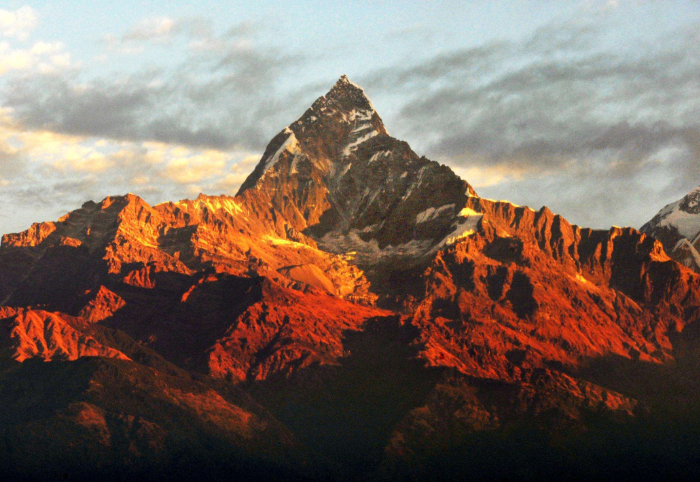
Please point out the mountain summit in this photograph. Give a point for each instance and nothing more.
(345, 117)
(339, 177)
(387, 320)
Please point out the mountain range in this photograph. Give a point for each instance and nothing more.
(355, 312)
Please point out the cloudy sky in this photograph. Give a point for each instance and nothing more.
(591, 107)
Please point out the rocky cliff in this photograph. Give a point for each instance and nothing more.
(379, 310)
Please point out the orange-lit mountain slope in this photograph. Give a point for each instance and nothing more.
(366, 296)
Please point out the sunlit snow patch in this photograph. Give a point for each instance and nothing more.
(464, 228)
(290, 144)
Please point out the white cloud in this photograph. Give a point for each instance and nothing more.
(153, 29)
(41, 48)
(85, 159)
(165, 29)
(76, 168)
(481, 177)
(19, 23)
(191, 169)
(42, 57)
(114, 44)
(14, 59)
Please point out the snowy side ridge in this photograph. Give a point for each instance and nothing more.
(290, 144)
(677, 226)
(353, 145)
(687, 253)
(675, 215)
(432, 213)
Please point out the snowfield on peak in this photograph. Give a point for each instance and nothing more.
(673, 216)
(347, 174)
(677, 226)
(380, 312)
(464, 229)
(291, 145)
(432, 213)
(360, 140)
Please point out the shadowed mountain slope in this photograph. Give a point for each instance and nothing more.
(367, 297)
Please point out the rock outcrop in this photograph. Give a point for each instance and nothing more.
(373, 303)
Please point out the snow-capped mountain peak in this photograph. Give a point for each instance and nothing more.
(677, 226)
(691, 202)
(352, 186)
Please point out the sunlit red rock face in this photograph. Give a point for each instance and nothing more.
(529, 288)
(241, 329)
(48, 336)
(367, 297)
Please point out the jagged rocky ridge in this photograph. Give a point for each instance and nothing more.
(355, 286)
(338, 176)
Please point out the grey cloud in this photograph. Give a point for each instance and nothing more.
(242, 29)
(37, 200)
(214, 99)
(453, 66)
(558, 37)
(601, 135)
(166, 29)
(561, 110)
(11, 164)
(411, 33)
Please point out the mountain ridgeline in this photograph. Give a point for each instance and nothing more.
(355, 312)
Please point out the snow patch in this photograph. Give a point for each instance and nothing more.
(290, 144)
(227, 205)
(213, 204)
(339, 174)
(466, 212)
(295, 162)
(364, 114)
(463, 229)
(586, 284)
(695, 240)
(369, 251)
(680, 243)
(432, 213)
(684, 246)
(416, 183)
(377, 155)
(360, 140)
(687, 224)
